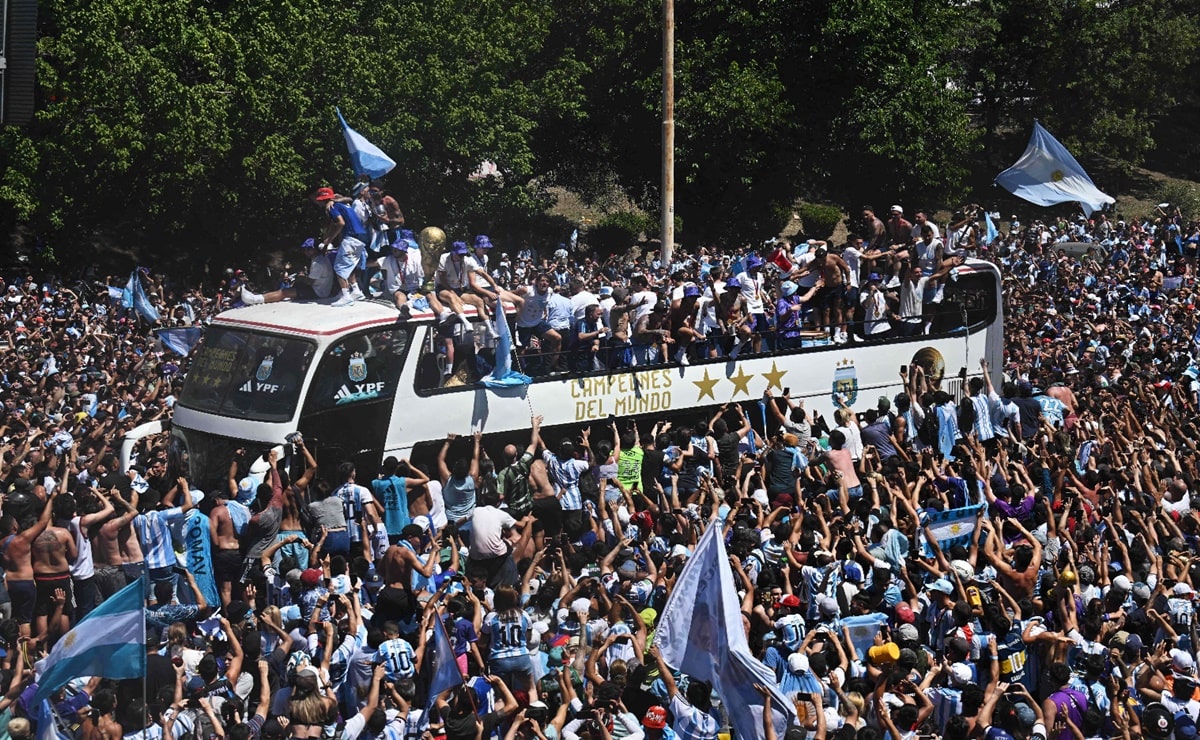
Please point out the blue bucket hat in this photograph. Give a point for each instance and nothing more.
(459, 248)
(482, 242)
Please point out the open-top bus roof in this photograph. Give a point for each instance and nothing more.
(316, 319)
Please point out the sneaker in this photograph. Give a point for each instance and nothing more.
(405, 312)
(251, 299)
(357, 294)
(894, 282)
(465, 321)
(681, 357)
(939, 294)
(491, 325)
(345, 300)
(445, 317)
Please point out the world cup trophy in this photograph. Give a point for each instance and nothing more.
(433, 242)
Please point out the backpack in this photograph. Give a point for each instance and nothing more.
(202, 726)
(927, 432)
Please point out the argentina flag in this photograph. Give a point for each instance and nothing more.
(1047, 174)
(950, 528)
(109, 642)
(366, 158)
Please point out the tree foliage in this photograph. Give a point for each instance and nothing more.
(174, 126)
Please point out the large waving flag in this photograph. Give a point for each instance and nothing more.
(180, 339)
(134, 296)
(366, 158)
(949, 528)
(700, 633)
(1047, 174)
(109, 642)
(503, 375)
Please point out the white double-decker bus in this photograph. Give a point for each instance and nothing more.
(361, 384)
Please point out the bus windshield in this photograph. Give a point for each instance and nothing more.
(247, 375)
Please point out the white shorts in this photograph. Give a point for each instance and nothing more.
(349, 254)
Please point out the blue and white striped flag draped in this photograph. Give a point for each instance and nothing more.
(503, 375)
(990, 235)
(134, 296)
(862, 629)
(700, 633)
(573, 242)
(365, 157)
(109, 642)
(950, 528)
(1047, 174)
(180, 339)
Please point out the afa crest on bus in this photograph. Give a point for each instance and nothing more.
(845, 382)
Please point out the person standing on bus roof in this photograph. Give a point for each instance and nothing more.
(345, 229)
(459, 484)
(532, 320)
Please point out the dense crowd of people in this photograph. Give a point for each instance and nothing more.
(1065, 613)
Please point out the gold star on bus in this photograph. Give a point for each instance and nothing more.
(775, 377)
(706, 386)
(741, 381)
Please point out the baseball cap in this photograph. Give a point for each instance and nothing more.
(790, 601)
(656, 718)
(897, 209)
(1157, 721)
(1122, 584)
(421, 521)
(310, 578)
(904, 613)
(324, 194)
(961, 674)
(941, 585)
(907, 633)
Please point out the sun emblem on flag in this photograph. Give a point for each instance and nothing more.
(956, 529)
(1057, 176)
(69, 640)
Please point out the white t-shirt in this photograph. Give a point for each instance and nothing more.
(853, 260)
(580, 301)
(916, 230)
(320, 272)
(406, 275)
(752, 291)
(437, 511)
(875, 319)
(533, 311)
(487, 532)
(455, 275)
(644, 302)
(810, 279)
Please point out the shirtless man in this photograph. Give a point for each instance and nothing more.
(1020, 577)
(53, 552)
(293, 495)
(15, 555)
(547, 509)
(227, 552)
(734, 315)
(397, 567)
(106, 545)
(829, 300)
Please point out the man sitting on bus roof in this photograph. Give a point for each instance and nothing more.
(453, 281)
(314, 286)
(404, 277)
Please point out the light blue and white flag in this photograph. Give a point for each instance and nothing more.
(109, 642)
(135, 297)
(573, 242)
(1047, 174)
(445, 670)
(863, 628)
(503, 375)
(180, 339)
(365, 157)
(950, 528)
(700, 633)
(990, 234)
(116, 294)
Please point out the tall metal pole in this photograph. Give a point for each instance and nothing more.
(668, 134)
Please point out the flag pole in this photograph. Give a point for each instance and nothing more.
(668, 135)
(145, 661)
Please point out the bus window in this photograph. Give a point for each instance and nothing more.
(360, 368)
(972, 294)
(455, 356)
(247, 375)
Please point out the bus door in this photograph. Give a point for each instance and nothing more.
(349, 403)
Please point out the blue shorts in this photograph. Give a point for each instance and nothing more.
(349, 254)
